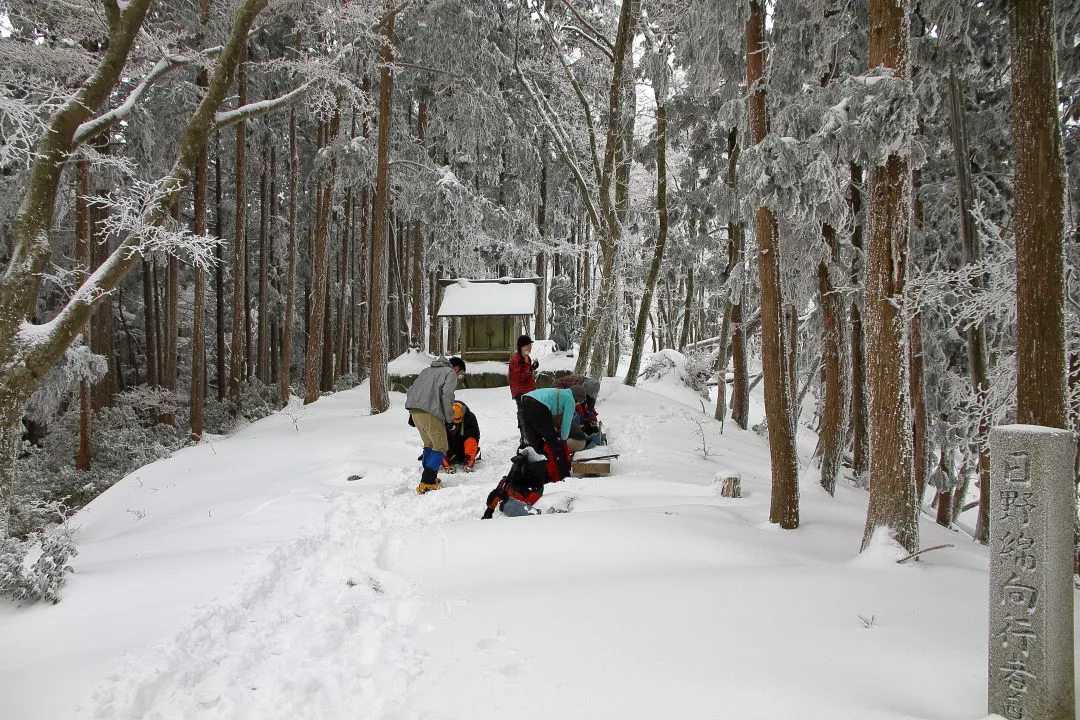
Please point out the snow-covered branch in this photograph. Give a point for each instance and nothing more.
(590, 39)
(585, 105)
(564, 146)
(164, 66)
(598, 38)
(125, 218)
(263, 107)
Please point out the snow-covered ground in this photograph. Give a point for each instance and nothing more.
(249, 578)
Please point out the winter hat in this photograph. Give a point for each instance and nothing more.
(459, 411)
(579, 393)
(523, 341)
(592, 388)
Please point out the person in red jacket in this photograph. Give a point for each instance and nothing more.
(522, 369)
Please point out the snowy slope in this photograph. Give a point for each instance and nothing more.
(250, 579)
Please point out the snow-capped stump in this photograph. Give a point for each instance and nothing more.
(728, 483)
(593, 463)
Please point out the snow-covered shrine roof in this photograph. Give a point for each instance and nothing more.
(509, 296)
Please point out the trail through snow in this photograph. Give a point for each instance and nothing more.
(317, 629)
(248, 578)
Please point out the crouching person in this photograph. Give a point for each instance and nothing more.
(463, 438)
(521, 487)
(430, 402)
(545, 417)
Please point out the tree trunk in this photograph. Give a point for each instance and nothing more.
(342, 365)
(328, 373)
(313, 376)
(149, 335)
(363, 342)
(893, 504)
(1040, 217)
(638, 348)
(172, 325)
(976, 334)
(541, 331)
(599, 329)
(920, 450)
(249, 308)
(236, 354)
(198, 337)
(435, 326)
(219, 278)
(273, 319)
(860, 440)
(684, 334)
(82, 261)
(290, 260)
(831, 434)
(102, 341)
(417, 329)
(784, 506)
(393, 285)
(732, 327)
(379, 390)
(740, 370)
(263, 338)
(159, 340)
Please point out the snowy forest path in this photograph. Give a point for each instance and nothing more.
(319, 629)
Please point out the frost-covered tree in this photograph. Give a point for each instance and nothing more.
(30, 350)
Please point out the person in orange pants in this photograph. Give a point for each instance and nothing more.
(463, 435)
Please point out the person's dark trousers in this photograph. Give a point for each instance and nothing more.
(538, 428)
(521, 433)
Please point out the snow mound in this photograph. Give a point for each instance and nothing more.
(410, 362)
(671, 367)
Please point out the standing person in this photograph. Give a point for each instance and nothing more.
(522, 373)
(539, 412)
(430, 403)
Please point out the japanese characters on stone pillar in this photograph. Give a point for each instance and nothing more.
(1031, 573)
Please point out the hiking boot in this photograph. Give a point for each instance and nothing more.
(426, 487)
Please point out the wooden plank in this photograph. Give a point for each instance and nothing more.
(596, 468)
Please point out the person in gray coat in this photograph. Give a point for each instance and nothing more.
(430, 402)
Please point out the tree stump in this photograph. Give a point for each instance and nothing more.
(730, 484)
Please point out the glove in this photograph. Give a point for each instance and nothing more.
(488, 514)
(535, 364)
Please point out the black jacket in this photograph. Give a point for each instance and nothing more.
(467, 428)
(456, 434)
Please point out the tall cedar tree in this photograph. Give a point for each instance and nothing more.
(779, 383)
(1040, 217)
(893, 504)
(380, 257)
(661, 238)
(237, 352)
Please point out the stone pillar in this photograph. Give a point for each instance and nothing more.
(1031, 573)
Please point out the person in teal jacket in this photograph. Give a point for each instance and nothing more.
(545, 416)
